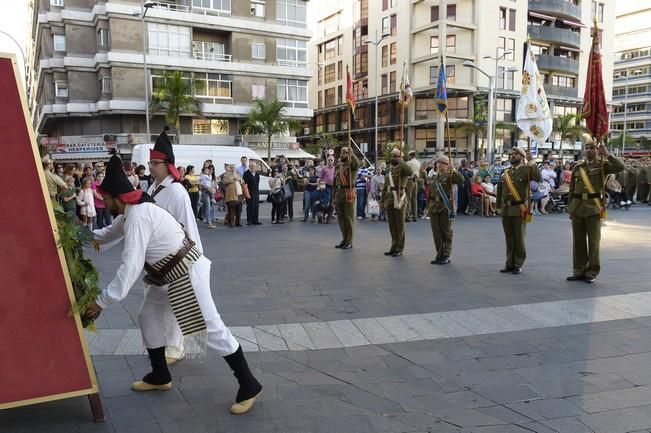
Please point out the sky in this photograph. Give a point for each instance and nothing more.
(13, 20)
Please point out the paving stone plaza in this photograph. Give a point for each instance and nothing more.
(353, 341)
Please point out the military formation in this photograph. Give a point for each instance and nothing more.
(586, 203)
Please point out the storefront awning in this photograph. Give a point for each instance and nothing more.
(287, 153)
(81, 156)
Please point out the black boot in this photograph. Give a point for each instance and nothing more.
(159, 377)
(249, 385)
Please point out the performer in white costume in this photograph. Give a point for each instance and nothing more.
(169, 194)
(155, 241)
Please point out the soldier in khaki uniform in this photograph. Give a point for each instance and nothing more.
(642, 184)
(514, 208)
(441, 208)
(631, 180)
(345, 198)
(587, 208)
(647, 172)
(395, 201)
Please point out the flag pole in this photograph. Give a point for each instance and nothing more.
(447, 127)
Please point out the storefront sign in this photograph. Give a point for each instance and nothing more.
(79, 144)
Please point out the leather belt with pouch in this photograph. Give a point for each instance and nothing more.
(514, 203)
(157, 277)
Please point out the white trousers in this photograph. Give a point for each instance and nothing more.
(156, 313)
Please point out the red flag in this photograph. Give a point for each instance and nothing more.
(350, 97)
(594, 110)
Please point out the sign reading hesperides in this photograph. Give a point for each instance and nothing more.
(533, 115)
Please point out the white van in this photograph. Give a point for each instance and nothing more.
(190, 154)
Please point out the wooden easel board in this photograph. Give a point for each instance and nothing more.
(44, 353)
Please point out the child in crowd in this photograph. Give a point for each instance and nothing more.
(69, 198)
(86, 201)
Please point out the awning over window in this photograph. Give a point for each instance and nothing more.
(542, 16)
(574, 23)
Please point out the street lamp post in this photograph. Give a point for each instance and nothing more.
(497, 59)
(22, 53)
(145, 7)
(491, 102)
(635, 72)
(375, 43)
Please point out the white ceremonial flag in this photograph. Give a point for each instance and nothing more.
(533, 116)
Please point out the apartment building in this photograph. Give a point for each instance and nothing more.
(491, 34)
(632, 73)
(87, 86)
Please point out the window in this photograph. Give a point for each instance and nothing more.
(385, 56)
(319, 100)
(392, 82)
(329, 73)
(213, 87)
(319, 123)
(61, 89)
(384, 88)
(340, 94)
(105, 85)
(426, 137)
(386, 25)
(291, 12)
(340, 70)
(292, 91)
(58, 3)
(434, 13)
(458, 107)
(103, 38)
(257, 8)
(433, 44)
(291, 52)
(59, 42)
(210, 126)
(451, 43)
(394, 25)
(598, 11)
(512, 20)
(360, 63)
(360, 89)
(216, 6)
(340, 45)
(511, 47)
(504, 109)
(384, 113)
(563, 81)
(452, 12)
(504, 80)
(258, 51)
(502, 18)
(258, 91)
(330, 97)
(166, 40)
(539, 49)
(360, 117)
(331, 49)
(393, 57)
(320, 75)
(385, 5)
(331, 121)
(434, 74)
(204, 50)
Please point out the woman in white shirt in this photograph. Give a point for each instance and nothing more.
(489, 188)
(277, 196)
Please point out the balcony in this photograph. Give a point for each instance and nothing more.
(555, 63)
(562, 8)
(567, 92)
(553, 34)
(210, 51)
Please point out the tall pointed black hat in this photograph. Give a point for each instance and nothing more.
(115, 180)
(163, 150)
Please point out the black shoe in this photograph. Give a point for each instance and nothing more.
(238, 225)
(280, 222)
(516, 271)
(257, 223)
(249, 385)
(396, 254)
(435, 262)
(444, 261)
(346, 247)
(340, 244)
(389, 253)
(589, 280)
(159, 375)
(304, 219)
(575, 278)
(506, 270)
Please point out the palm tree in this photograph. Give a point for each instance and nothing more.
(324, 141)
(569, 127)
(478, 125)
(174, 96)
(269, 119)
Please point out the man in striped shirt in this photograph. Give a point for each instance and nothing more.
(360, 185)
